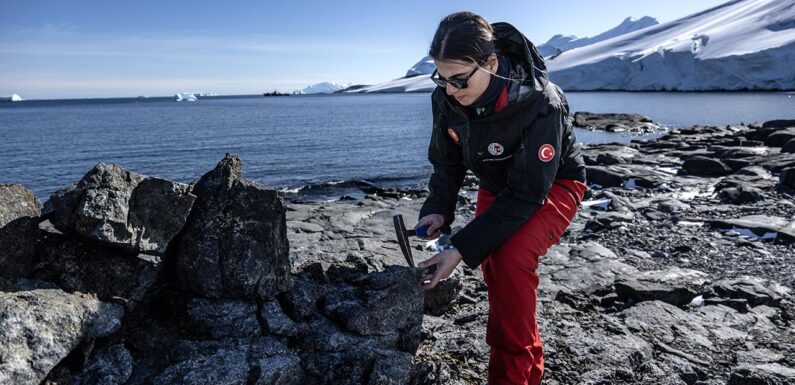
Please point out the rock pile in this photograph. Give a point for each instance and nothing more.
(138, 280)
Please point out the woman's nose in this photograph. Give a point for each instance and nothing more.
(450, 89)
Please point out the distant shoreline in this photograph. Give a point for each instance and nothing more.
(126, 99)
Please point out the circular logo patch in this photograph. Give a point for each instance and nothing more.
(496, 149)
(453, 134)
(546, 153)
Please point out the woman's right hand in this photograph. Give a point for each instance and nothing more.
(434, 222)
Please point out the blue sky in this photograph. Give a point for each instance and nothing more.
(73, 49)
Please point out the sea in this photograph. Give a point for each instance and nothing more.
(311, 147)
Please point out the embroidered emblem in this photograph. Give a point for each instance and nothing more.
(453, 135)
(496, 149)
(546, 153)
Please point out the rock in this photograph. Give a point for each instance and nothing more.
(19, 214)
(110, 366)
(113, 274)
(301, 301)
(703, 166)
(246, 361)
(740, 195)
(388, 304)
(275, 321)
(764, 374)
(441, 297)
(224, 318)
(763, 226)
(38, 328)
(780, 137)
(787, 177)
(789, 147)
(608, 220)
(235, 240)
(649, 291)
(673, 285)
(754, 290)
(122, 208)
(603, 176)
(331, 356)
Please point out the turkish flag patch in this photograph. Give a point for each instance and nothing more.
(546, 153)
(453, 135)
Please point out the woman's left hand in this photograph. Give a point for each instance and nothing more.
(445, 262)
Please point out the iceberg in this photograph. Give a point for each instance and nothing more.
(323, 88)
(11, 98)
(186, 97)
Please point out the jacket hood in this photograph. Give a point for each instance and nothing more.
(523, 54)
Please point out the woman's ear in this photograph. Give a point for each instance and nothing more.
(493, 63)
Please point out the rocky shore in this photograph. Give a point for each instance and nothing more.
(677, 270)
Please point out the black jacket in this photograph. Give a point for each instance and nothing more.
(508, 150)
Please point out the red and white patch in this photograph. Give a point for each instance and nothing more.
(496, 149)
(453, 135)
(546, 153)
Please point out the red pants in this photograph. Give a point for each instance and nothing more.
(510, 273)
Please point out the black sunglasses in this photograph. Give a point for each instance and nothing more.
(459, 83)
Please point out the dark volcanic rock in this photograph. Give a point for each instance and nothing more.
(38, 328)
(703, 166)
(235, 242)
(439, 299)
(113, 274)
(787, 177)
(19, 214)
(224, 318)
(110, 366)
(118, 207)
(780, 137)
(387, 304)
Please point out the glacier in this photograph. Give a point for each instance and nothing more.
(739, 45)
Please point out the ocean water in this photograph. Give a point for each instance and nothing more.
(289, 142)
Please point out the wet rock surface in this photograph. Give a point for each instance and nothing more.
(666, 276)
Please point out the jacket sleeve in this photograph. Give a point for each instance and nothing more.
(448, 170)
(528, 181)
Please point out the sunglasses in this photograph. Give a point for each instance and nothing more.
(459, 83)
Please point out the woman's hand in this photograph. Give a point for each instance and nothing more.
(445, 262)
(434, 223)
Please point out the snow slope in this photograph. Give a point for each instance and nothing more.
(742, 44)
(560, 43)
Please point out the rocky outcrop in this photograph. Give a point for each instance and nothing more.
(122, 208)
(611, 122)
(235, 241)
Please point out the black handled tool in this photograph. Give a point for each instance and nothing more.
(403, 240)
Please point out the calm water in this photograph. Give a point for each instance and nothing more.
(287, 142)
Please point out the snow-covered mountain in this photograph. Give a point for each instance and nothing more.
(426, 66)
(323, 88)
(560, 43)
(742, 44)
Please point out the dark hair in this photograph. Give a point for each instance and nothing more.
(463, 36)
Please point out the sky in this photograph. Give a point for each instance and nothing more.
(104, 48)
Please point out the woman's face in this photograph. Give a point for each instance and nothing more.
(476, 85)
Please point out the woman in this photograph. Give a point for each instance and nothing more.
(496, 113)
